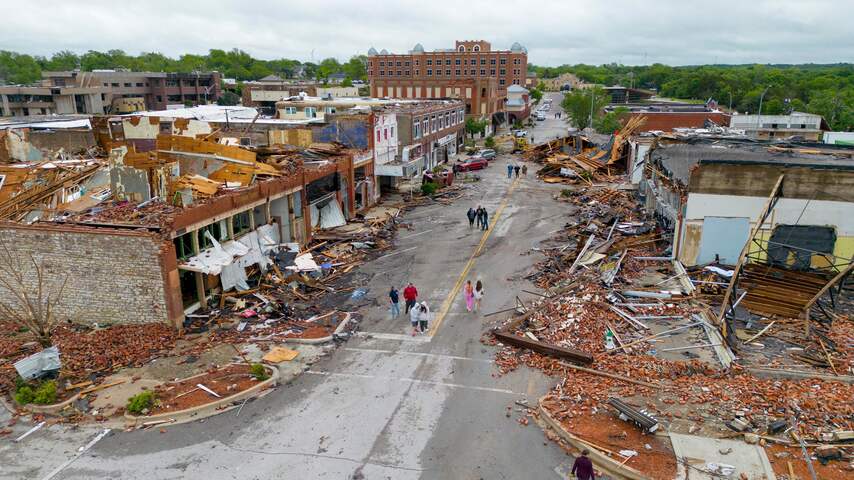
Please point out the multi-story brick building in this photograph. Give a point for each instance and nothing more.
(158, 89)
(471, 72)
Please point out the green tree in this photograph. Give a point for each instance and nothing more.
(476, 126)
(228, 99)
(18, 69)
(579, 103)
(611, 121)
(355, 67)
(63, 60)
(326, 68)
(536, 94)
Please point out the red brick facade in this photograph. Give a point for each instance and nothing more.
(471, 72)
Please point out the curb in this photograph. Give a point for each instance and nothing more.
(50, 409)
(316, 341)
(600, 460)
(8, 406)
(207, 410)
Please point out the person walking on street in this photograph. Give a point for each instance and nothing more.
(583, 467)
(509, 170)
(469, 292)
(525, 170)
(478, 214)
(395, 302)
(532, 139)
(423, 317)
(414, 312)
(478, 295)
(410, 294)
(484, 221)
(516, 169)
(471, 214)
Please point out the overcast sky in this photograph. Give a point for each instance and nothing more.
(676, 32)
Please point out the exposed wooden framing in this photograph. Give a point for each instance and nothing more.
(769, 206)
(544, 348)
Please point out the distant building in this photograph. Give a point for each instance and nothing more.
(471, 72)
(265, 93)
(620, 94)
(518, 104)
(797, 124)
(157, 89)
(24, 101)
(838, 138)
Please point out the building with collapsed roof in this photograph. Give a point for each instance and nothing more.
(710, 192)
(149, 234)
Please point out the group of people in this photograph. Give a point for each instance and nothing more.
(557, 114)
(515, 168)
(419, 313)
(474, 295)
(480, 215)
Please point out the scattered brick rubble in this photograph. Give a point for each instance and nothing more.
(687, 390)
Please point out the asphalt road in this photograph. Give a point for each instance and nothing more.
(383, 405)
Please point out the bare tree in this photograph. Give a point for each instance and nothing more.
(28, 306)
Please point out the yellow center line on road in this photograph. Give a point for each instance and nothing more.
(449, 300)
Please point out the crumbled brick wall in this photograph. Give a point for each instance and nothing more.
(112, 277)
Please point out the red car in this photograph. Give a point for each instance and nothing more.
(476, 163)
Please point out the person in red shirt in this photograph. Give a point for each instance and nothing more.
(410, 294)
(583, 467)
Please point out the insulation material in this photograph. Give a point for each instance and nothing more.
(211, 260)
(233, 276)
(253, 255)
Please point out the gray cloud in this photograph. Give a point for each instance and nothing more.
(569, 31)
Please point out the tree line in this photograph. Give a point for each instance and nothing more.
(17, 68)
(827, 90)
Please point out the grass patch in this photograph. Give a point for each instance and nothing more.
(259, 372)
(141, 401)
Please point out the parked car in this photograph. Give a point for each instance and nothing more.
(486, 153)
(541, 116)
(520, 133)
(474, 163)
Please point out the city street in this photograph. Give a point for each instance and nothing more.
(385, 404)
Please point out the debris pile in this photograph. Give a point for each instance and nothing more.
(613, 295)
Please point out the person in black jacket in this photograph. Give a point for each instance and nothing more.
(471, 214)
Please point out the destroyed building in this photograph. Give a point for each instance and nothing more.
(711, 192)
(151, 231)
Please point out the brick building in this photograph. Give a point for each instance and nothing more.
(471, 72)
(158, 89)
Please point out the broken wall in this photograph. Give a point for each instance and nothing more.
(114, 276)
(811, 197)
(352, 131)
(71, 141)
(15, 146)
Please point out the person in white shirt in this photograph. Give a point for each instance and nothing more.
(423, 317)
(414, 317)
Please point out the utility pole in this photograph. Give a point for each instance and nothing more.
(590, 121)
(759, 116)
